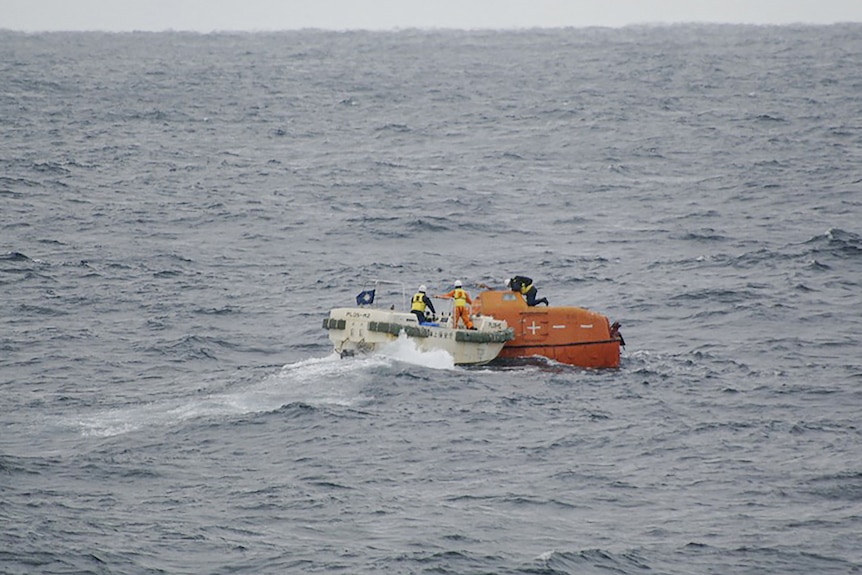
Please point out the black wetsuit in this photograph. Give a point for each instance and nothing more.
(521, 282)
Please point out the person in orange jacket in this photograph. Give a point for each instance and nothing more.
(462, 299)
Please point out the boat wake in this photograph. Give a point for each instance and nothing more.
(318, 382)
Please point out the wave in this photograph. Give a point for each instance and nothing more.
(692, 558)
(845, 486)
(14, 257)
(592, 561)
(836, 242)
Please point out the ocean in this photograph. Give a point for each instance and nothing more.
(179, 212)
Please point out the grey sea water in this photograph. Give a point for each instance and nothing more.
(178, 212)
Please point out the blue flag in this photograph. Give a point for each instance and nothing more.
(365, 297)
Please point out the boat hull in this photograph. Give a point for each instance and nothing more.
(365, 330)
(566, 334)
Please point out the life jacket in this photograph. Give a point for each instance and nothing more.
(460, 297)
(525, 283)
(418, 302)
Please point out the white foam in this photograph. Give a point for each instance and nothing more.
(315, 381)
(405, 349)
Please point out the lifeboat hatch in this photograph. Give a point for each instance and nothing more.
(534, 327)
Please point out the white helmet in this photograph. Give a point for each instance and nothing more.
(508, 282)
(422, 288)
(457, 283)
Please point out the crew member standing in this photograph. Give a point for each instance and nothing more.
(462, 299)
(419, 302)
(525, 286)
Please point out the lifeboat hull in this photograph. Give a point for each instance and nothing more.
(567, 334)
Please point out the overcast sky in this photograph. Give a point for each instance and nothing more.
(209, 15)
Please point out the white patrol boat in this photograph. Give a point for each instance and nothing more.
(365, 328)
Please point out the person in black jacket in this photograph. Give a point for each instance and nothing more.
(525, 287)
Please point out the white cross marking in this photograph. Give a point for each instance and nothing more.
(534, 328)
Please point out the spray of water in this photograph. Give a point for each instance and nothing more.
(405, 349)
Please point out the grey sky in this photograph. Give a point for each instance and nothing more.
(209, 15)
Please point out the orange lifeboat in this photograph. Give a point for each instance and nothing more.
(571, 335)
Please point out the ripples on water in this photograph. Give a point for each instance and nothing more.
(179, 212)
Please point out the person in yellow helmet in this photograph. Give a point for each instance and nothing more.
(462, 299)
(419, 302)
